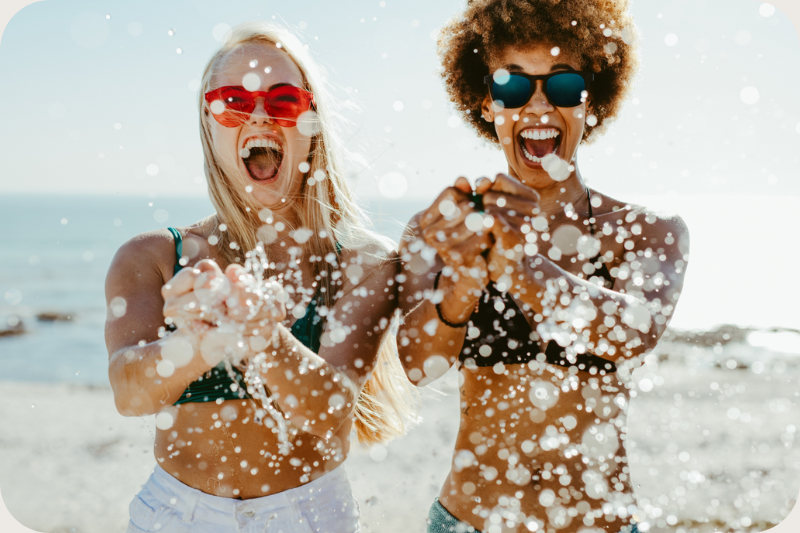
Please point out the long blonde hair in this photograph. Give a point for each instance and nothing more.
(388, 401)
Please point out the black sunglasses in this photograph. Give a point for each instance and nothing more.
(563, 89)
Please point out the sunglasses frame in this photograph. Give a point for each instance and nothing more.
(588, 77)
(237, 118)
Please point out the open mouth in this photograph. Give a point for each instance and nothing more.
(262, 157)
(536, 143)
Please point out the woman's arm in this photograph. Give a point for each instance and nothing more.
(435, 241)
(135, 314)
(317, 392)
(627, 319)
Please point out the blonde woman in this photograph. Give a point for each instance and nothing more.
(256, 385)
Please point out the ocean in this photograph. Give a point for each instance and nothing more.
(54, 255)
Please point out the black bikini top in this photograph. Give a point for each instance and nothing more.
(506, 337)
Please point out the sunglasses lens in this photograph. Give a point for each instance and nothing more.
(565, 89)
(230, 105)
(511, 91)
(286, 104)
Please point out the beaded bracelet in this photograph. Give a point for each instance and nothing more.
(439, 309)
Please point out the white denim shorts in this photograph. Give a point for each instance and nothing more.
(325, 505)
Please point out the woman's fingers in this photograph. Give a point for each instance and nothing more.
(208, 265)
(447, 205)
(483, 185)
(184, 280)
(507, 184)
(186, 306)
(462, 184)
(521, 207)
(181, 283)
(471, 248)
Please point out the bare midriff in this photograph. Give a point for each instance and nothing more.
(522, 450)
(221, 450)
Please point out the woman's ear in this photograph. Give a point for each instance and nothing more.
(486, 109)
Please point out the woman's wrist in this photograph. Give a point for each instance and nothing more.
(458, 299)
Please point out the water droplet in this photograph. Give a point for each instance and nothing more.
(749, 95)
(217, 107)
(309, 124)
(152, 170)
(254, 63)
(161, 216)
(398, 105)
(671, 39)
(170, 32)
(251, 81)
(378, 453)
(13, 296)
(555, 51)
(179, 51)
(766, 10)
(64, 221)
(392, 185)
(220, 31)
(164, 420)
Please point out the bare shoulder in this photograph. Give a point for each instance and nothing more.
(148, 253)
(657, 228)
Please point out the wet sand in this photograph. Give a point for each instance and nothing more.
(708, 445)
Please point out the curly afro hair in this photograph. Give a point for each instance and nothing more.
(600, 32)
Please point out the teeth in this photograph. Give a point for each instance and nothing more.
(261, 143)
(538, 135)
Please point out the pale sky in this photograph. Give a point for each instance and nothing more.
(712, 131)
(71, 77)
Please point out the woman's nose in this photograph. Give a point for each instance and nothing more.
(260, 114)
(539, 104)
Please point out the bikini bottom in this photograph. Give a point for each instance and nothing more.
(441, 521)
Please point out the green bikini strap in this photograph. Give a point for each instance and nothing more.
(178, 248)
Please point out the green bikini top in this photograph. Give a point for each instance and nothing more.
(216, 383)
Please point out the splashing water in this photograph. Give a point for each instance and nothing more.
(213, 290)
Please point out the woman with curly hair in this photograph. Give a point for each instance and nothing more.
(257, 376)
(544, 292)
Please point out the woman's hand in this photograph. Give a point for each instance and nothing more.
(195, 302)
(513, 206)
(195, 294)
(444, 227)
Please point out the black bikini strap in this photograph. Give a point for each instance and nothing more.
(592, 227)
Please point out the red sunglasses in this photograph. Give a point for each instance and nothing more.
(284, 104)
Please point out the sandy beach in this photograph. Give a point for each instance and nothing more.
(711, 448)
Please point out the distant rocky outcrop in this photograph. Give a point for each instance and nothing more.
(718, 336)
(54, 316)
